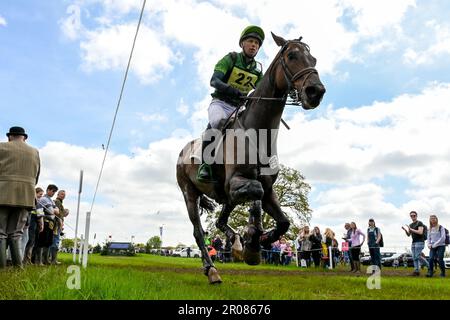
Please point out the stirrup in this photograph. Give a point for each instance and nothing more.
(201, 177)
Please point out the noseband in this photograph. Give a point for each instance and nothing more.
(290, 79)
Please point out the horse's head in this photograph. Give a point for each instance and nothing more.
(295, 71)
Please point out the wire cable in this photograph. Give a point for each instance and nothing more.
(118, 105)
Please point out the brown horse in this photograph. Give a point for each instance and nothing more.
(291, 73)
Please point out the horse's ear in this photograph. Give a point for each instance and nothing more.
(278, 40)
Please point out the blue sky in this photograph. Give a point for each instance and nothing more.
(376, 147)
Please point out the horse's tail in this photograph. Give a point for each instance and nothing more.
(207, 204)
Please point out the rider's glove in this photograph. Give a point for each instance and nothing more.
(233, 92)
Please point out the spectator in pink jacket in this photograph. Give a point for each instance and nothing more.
(355, 249)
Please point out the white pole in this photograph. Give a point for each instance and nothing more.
(86, 239)
(78, 214)
(330, 257)
(81, 249)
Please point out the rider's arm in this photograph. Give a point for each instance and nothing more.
(217, 82)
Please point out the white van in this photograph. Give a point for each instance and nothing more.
(195, 253)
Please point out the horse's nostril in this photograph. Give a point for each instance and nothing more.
(311, 91)
(315, 91)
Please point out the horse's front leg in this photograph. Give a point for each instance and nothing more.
(272, 207)
(252, 248)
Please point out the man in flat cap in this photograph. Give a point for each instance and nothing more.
(19, 174)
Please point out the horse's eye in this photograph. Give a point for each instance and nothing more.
(292, 56)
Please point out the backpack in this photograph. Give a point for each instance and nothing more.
(447, 235)
(381, 243)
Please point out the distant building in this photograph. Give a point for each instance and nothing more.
(120, 249)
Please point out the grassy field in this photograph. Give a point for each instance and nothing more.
(154, 277)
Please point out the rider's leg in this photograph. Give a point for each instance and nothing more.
(217, 111)
(204, 171)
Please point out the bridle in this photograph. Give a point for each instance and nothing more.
(292, 92)
(290, 78)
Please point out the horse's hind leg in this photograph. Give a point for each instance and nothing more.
(192, 203)
(272, 207)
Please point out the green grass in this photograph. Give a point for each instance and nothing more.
(155, 277)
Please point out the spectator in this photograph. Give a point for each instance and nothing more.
(217, 244)
(329, 236)
(19, 173)
(373, 241)
(417, 231)
(36, 226)
(305, 253)
(212, 252)
(355, 248)
(59, 225)
(285, 251)
(436, 244)
(188, 252)
(45, 238)
(348, 238)
(316, 246)
(207, 239)
(275, 256)
(336, 253)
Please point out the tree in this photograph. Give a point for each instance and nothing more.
(67, 243)
(292, 192)
(153, 243)
(180, 246)
(97, 248)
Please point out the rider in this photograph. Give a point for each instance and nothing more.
(235, 75)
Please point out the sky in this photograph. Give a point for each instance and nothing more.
(377, 146)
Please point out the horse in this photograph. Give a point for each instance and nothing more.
(292, 74)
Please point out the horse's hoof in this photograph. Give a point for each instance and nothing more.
(213, 276)
(251, 257)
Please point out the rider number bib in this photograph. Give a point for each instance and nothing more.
(242, 80)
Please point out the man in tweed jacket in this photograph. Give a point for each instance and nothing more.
(19, 174)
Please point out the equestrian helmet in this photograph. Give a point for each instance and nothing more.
(254, 32)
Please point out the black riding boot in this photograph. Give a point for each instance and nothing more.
(204, 173)
(2, 253)
(16, 252)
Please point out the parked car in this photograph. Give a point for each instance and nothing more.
(366, 260)
(195, 253)
(398, 259)
(447, 263)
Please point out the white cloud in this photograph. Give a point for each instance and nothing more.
(440, 46)
(183, 108)
(109, 48)
(2, 21)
